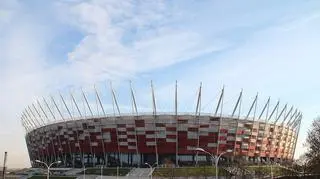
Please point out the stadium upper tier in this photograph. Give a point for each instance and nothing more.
(136, 138)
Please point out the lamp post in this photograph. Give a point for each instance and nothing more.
(217, 159)
(202, 150)
(101, 171)
(271, 171)
(48, 166)
(151, 168)
(84, 172)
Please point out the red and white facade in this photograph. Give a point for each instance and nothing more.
(132, 140)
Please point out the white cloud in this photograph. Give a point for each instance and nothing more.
(22, 61)
(280, 62)
(103, 52)
(126, 38)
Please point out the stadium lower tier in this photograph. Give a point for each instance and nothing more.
(165, 139)
(133, 160)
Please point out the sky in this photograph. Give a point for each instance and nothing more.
(269, 47)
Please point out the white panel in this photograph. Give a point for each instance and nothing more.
(223, 134)
(94, 143)
(231, 138)
(171, 132)
(141, 132)
(163, 121)
(182, 127)
(150, 136)
(170, 140)
(161, 128)
(149, 126)
(131, 140)
(203, 133)
(106, 135)
(214, 123)
(107, 122)
(232, 131)
(162, 136)
(212, 144)
(192, 135)
(191, 147)
(107, 140)
(123, 143)
(122, 129)
(205, 129)
(131, 147)
(213, 129)
(81, 137)
(121, 122)
(122, 136)
(130, 125)
(151, 143)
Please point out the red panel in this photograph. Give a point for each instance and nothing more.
(204, 126)
(123, 149)
(169, 147)
(160, 125)
(139, 123)
(223, 138)
(211, 134)
(107, 129)
(111, 147)
(171, 136)
(193, 129)
(171, 128)
(223, 130)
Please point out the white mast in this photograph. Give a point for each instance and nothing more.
(154, 121)
(114, 102)
(135, 109)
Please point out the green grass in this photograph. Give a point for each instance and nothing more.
(51, 177)
(266, 170)
(107, 171)
(187, 171)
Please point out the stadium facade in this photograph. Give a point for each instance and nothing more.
(62, 132)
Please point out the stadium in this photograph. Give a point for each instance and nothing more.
(79, 133)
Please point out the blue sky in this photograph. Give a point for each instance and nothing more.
(269, 47)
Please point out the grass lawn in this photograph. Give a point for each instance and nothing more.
(187, 171)
(107, 171)
(266, 170)
(51, 177)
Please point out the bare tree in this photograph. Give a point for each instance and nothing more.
(313, 143)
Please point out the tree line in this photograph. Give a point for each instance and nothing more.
(311, 162)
